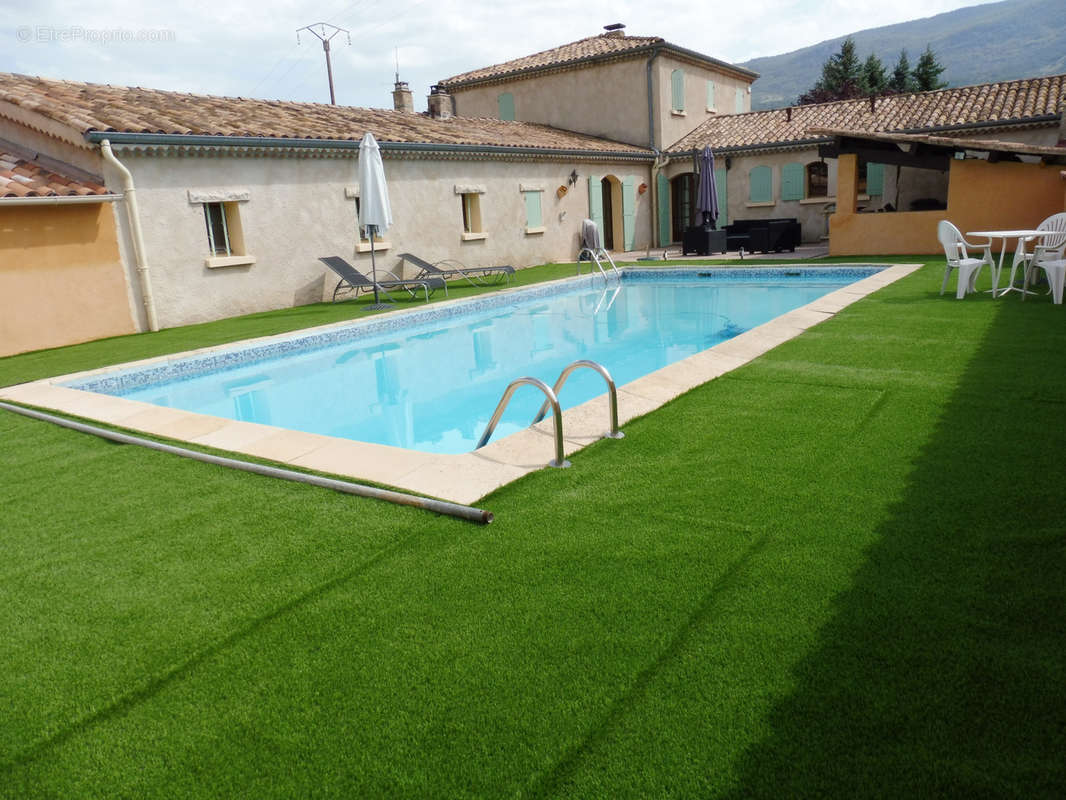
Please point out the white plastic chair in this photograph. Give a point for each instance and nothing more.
(1048, 256)
(958, 257)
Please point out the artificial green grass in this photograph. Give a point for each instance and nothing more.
(834, 572)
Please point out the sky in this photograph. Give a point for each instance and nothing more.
(250, 49)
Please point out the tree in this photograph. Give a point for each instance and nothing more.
(842, 77)
(902, 81)
(927, 71)
(874, 78)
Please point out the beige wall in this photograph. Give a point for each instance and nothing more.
(671, 126)
(61, 279)
(297, 210)
(605, 100)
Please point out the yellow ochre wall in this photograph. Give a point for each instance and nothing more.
(61, 277)
(981, 196)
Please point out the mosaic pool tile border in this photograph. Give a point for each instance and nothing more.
(121, 380)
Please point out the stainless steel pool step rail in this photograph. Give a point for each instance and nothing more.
(598, 256)
(612, 395)
(552, 402)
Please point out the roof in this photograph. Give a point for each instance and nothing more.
(23, 177)
(89, 107)
(985, 105)
(593, 48)
(1050, 153)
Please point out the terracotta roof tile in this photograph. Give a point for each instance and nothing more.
(20, 177)
(93, 107)
(604, 45)
(961, 107)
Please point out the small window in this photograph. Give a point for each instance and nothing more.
(534, 217)
(740, 101)
(218, 241)
(817, 179)
(361, 228)
(471, 203)
(677, 90)
(505, 103)
(710, 97)
(225, 236)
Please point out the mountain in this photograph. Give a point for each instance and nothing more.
(979, 44)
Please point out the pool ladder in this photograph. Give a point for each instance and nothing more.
(598, 256)
(551, 401)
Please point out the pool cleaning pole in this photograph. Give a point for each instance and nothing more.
(467, 513)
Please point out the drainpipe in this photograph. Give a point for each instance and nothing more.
(651, 100)
(656, 166)
(130, 194)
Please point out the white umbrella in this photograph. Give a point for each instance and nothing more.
(375, 214)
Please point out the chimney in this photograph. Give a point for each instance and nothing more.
(402, 99)
(1062, 124)
(440, 103)
(615, 29)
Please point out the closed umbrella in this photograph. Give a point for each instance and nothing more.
(707, 196)
(375, 213)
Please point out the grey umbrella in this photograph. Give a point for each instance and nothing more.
(375, 213)
(707, 196)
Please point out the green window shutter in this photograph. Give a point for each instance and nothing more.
(663, 197)
(739, 101)
(629, 212)
(792, 182)
(677, 89)
(875, 179)
(534, 219)
(760, 185)
(596, 202)
(506, 106)
(710, 95)
(720, 183)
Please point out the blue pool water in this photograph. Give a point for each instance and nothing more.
(431, 380)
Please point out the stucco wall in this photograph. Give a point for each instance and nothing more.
(671, 126)
(606, 100)
(297, 210)
(61, 280)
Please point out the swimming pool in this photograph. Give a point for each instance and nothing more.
(429, 380)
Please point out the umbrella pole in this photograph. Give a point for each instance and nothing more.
(377, 305)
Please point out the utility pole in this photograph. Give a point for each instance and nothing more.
(325, 31)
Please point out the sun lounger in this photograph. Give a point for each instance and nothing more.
(353, 280)
(476, 276)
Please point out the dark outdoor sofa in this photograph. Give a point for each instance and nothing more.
(764, 235)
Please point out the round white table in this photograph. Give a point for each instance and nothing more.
(1019, 254)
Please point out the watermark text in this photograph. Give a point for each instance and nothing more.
(68, 34)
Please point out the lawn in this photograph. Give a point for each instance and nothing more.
(837, 571)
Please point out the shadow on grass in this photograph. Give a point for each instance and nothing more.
(943, 672)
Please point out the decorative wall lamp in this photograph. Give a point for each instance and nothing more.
(573, 177)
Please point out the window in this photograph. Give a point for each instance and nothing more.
(225, 235)
(760, 185)
(505, 103)
(471, 203)
(362, 244)
(677, 91)
(710, 96)
(817, 179)
(534, 217)
(217, 231)
(739, 102)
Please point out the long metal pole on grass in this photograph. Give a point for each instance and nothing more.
(467, 513)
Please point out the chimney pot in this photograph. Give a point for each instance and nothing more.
(440, 102)
(402, 99)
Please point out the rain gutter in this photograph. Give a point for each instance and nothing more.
(198, 140)
(60, 200)
(129, 192)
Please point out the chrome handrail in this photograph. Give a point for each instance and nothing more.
(594, 256)
(612, 392)
(552, 400)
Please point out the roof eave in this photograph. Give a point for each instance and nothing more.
(199, 140)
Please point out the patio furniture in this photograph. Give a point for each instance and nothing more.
(353, 280)
(764, 235)
(476, 276)
(956, 251)
(703, 241)
(1050, 249)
